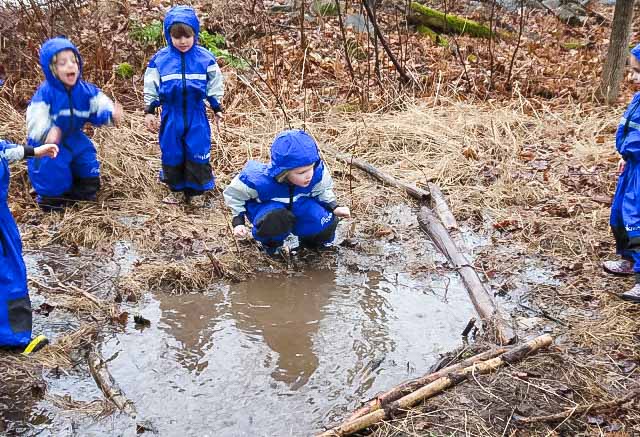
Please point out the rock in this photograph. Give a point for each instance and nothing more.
(568, 12)
(358, 23)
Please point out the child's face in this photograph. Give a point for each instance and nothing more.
(66, 67)
(301, 176)
(183, 44)
(635, 71)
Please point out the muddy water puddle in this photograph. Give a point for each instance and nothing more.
(279, 356)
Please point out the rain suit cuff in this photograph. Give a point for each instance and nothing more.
(331, 206)
(237, 220)
(29, 152)
(151, 109)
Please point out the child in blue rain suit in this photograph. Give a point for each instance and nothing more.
(56, 114)
(625, 208)
(179, 78)
(15, 306)
(291, 195)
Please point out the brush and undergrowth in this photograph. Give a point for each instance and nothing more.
(535, 174)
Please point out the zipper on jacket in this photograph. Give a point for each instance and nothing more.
(70, 109)
(184, 95)
(290, 206)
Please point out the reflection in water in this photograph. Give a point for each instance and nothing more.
(190, 319)
(286, 312)
(277, 356)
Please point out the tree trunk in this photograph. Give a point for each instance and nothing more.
(613, 71)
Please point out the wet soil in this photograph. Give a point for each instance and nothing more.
(283, 353)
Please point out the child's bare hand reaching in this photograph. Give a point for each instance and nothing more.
(342, 211)
(117, 114)
(50, 150)
(218, 117)
(240, 231)
(151, 122)
(54, 136)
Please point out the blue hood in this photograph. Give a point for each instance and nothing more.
(636, 52)
(49, 50)
(292, 149)
(181, 14)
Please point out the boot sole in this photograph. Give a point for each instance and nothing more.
(634, 299)
(618, 273)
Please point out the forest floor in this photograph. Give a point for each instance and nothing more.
(519, 148)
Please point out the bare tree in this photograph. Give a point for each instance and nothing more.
(618, 51)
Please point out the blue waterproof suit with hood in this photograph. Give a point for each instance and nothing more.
(277, 209)
(75, 173)
(180, 83)
(625, 208)
(15, 306)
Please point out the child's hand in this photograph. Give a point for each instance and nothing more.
(342, 211)
(151, 122)
(241, 231)
(621, 165)
(117, 114)
(218, 117)
(50, 150)
(54, 136)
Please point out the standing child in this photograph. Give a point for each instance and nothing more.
(294, 194)
(15, 306)
(179, 78)
(625, 208)
(57, 114)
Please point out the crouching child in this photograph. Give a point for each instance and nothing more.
(293, 194)
(15, 306)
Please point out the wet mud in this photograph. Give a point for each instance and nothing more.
(281, 354)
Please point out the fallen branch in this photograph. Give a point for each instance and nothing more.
(442, 22)
(582, 409)
(480, 296)
(381, 401)
(439, 385)
(441, 208)
(105, 381)
(413, 191)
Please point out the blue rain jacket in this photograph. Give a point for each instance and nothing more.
(180, 83)
(77, 167)
(15, 307)
(290, 149)
(255, 192)
(625, 208)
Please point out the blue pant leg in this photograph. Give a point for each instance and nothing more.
(314, 224)
(15, 306)
(85, 168)
(172, 149)
(198, 176)
(51, 178)
(615, 219)
(272, 222)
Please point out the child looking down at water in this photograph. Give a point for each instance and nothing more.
(15, 306)
(179, 78)
(57, 114)
(625, 208)
(291, 195)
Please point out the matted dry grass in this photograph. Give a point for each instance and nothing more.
(537, 177)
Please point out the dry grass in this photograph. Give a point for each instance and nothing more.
(532, 175)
